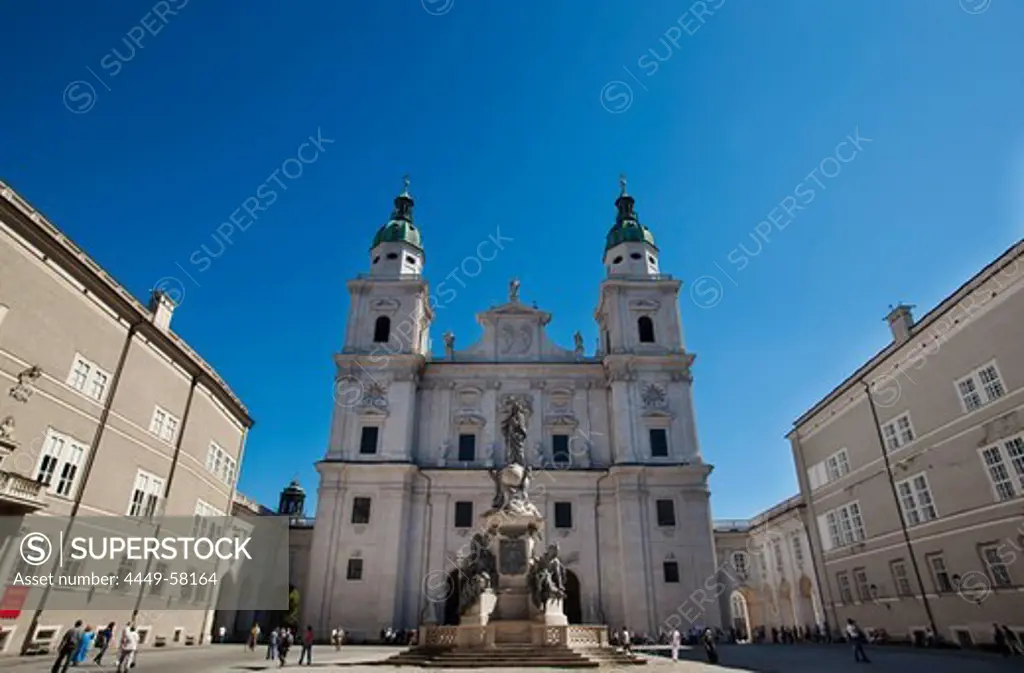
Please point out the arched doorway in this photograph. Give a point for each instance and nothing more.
(452, 589)
(740, 615)
(573, 605)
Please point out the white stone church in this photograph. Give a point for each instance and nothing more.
(618, 472)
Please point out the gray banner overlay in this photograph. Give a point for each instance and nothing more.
(123, 563)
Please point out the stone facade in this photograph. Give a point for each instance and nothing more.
(101, 400)
(913, 469)
(611, 437)
(766, 565)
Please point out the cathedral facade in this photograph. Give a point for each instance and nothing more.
(612, 441)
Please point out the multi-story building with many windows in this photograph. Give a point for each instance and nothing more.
(612, 438)
(104, 411)
(766, 566)
(913, 469)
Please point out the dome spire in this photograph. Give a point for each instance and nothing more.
(403, 203)
(627, 225)
(625, 205)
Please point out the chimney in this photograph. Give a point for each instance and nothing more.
(162, 307)
(901, 322)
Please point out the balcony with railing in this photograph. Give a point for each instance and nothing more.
(20, 495)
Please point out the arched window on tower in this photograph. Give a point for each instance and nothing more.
(382, 330)
(645, 326)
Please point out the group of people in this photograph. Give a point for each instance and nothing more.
(706, 637)
(280, 642)
(77, 643)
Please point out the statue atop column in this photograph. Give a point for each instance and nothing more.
(512, 481)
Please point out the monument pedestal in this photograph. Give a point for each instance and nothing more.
(511, 609)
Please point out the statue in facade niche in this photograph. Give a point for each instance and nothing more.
(24, 390)
(7, 429)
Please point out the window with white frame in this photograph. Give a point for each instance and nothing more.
(995, 562)
(898, 432)
(60, 462)
(980, 387)
(220, 464)
(204, 524)
(841, 526)
(845, 592)
(164, 424)
(940, 574)
(838, 465)
(1004, 464)
(860, 578)
(88, 378)
(146, 495)
(916, 500)
(900, 578)
(739, 563)
(798, 549)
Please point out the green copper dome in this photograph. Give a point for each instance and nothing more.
(627, 225)
(398, 231)
(400, 228)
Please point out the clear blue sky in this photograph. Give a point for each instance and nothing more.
(495, 108)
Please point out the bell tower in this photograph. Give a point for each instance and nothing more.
(642, 346)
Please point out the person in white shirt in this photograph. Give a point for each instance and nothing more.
(626, 643)
(221, 632)
(857, 639)
(129, 644)
(676, 641)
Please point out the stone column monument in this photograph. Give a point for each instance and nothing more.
(509, 593)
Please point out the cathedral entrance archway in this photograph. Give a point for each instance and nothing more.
(452, 589)
(573, 604)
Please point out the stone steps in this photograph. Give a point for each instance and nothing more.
(511, 656)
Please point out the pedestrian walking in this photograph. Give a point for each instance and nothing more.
(126, 654)
(84, 645)
(284, 645)
(857, 639)
(677, 639)
(272, 642)
(67, 647)
(626, 641)
(307, 647)
(254, 635)
(222, 633)
(710, 647)
(103, 640)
